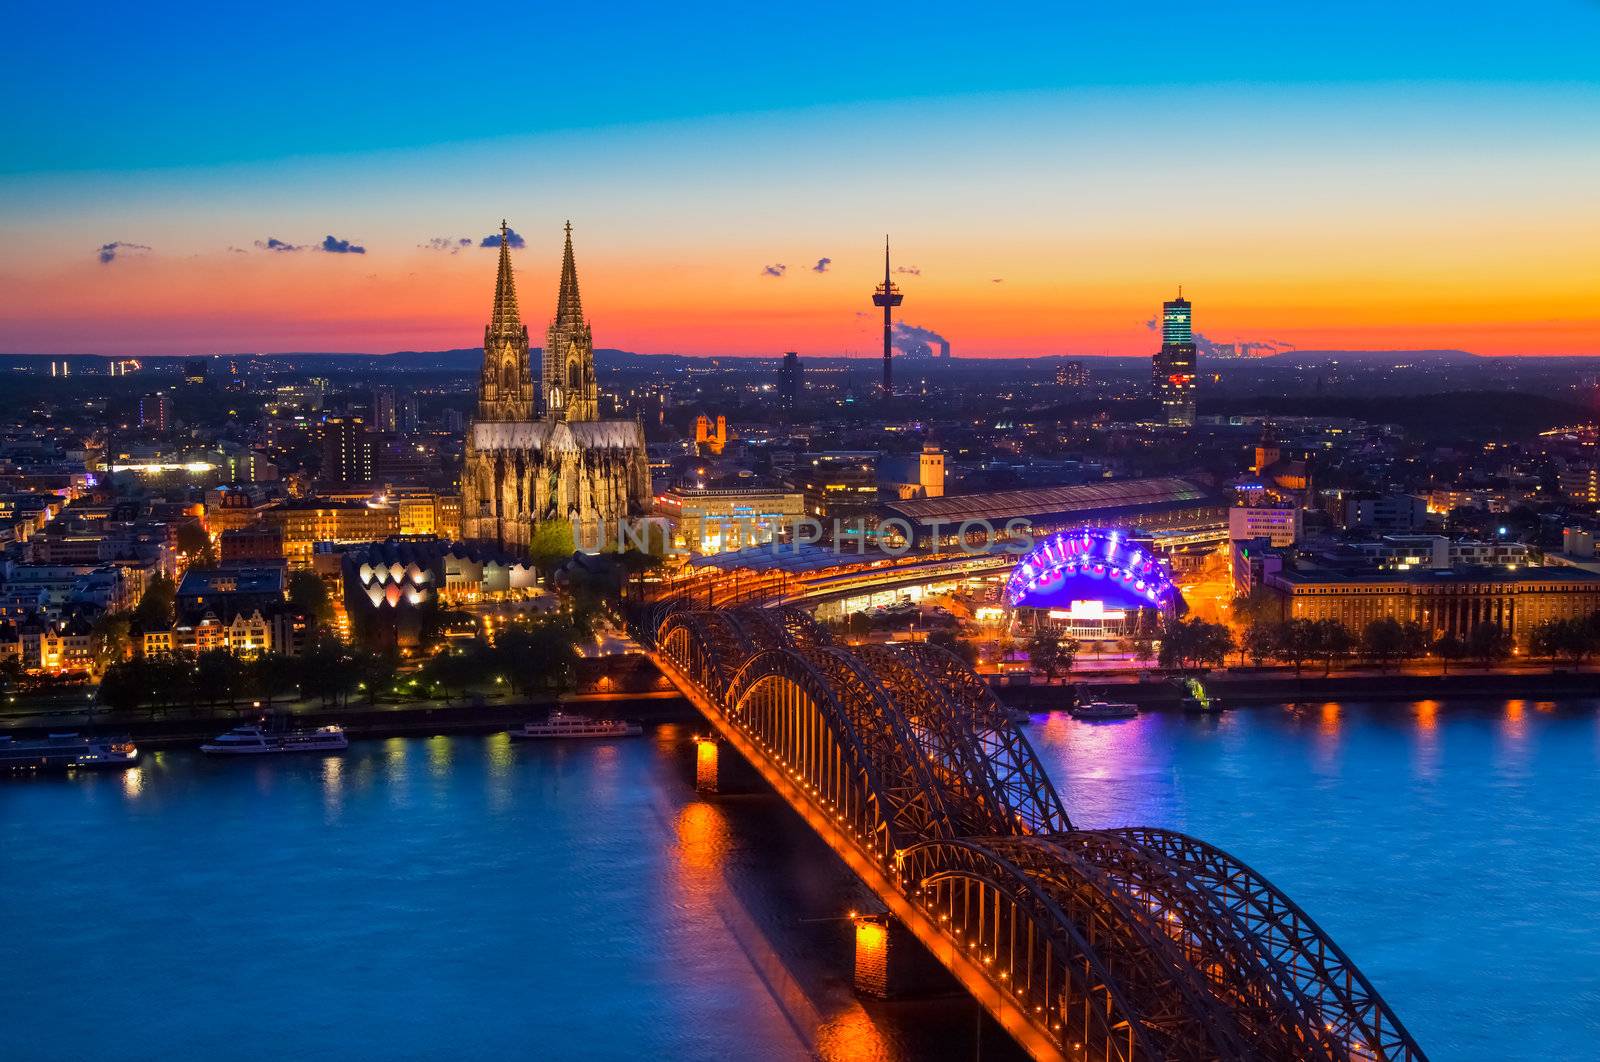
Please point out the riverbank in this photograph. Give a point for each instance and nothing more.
(1234, 688)
(181, 727)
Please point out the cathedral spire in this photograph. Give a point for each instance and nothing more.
(505, 320)
(569, 308)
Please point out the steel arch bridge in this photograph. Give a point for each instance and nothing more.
(1127, 944)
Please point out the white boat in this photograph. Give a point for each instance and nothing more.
(1104, 710)
(561, 724)
(256, 741)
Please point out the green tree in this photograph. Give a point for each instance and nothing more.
(551, 546)
(454, 670)
(156, 609)
(375, 672)
(1044, 652)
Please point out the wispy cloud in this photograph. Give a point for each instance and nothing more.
(997, 280)
(451, 244)
(513, 239)
(822, 265)
(334, 245)
(915, 271)
(774, 270)
(109, 251)
(272, 243)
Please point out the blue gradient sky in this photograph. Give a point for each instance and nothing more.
(1359, 175)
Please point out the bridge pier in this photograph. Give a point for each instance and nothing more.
(707, 773)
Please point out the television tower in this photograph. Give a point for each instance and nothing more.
(888, 296)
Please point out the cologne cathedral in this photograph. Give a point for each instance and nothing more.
(525, 467)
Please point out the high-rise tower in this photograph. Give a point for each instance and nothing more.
(888, 296)
(1174, 363)
(570, 390)
(505, 386)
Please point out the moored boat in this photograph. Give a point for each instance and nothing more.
(561, 724)
(257, 741)
(1104, 710)
(66, 752)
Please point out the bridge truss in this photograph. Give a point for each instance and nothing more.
(1129, 944)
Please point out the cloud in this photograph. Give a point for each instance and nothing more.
(1241, 348)
(1152, 324)
(452, 244)
(822, 265)
(915, 271)
(334, 245)
(272, 243)
(774, 270)
(997, 280)
(109, 251)
(916, 342)
(513, 238)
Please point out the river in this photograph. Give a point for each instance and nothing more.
(469, 896)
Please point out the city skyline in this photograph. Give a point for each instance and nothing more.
(1425, 185)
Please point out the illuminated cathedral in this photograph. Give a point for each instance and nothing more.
(525, 467)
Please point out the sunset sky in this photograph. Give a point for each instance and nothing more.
(1352, 176)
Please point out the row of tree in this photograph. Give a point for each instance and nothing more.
(532, 659)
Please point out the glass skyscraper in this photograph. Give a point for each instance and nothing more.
(1174, 364)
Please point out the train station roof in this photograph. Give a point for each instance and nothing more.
(1086, 500)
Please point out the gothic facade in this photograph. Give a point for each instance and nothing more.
(522, 468)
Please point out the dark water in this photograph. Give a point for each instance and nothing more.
(468, 897)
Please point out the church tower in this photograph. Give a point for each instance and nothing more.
(570, 390)
(505, 387)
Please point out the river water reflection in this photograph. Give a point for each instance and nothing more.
(467, 896)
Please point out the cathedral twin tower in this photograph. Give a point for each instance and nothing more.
(523, 469)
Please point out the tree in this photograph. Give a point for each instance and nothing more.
(1260, 641)
(1193, 642)
(195, 545)
(454, 670)
(374, 673)
(1332, 641)
(110, 639)
(1295, 642)
(551, 545)
(309, 594)
(1044, 651)
(270, 676)
(1383, 641)
(326, 670)
(124, 686)
(540, 659)
(1260, 605)
(156, 609)
(219, 676)
(947, 640)
(1489, 643)
(1449, 648)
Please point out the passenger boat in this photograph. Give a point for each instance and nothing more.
(66, 752)
(1104, 710)
(257, 741)
(561, 724)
